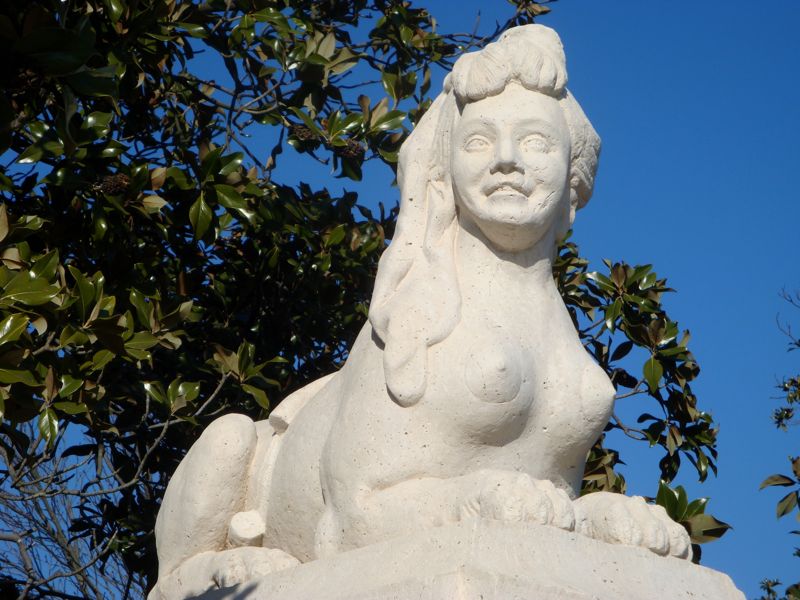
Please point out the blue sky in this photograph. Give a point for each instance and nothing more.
(697, 107)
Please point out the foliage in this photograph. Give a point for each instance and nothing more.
(159, 268)
(784, 417)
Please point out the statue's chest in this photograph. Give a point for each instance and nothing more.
(483, 374)
(487, 364)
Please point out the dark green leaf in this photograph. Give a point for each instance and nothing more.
(46, 266)
(622, 350)
(71, 408)
(56, 50)
(786, 504)
(85, 291)
(200, 217)
(69, 385)
(704, 528)
(48, 426)
(259, 395)
(115, 8)
(12, 327)
(653, 371)
(95, 82)
(391, 120)
(777, 480)
(193, 29)
(33, 292)
(144, 340)
(19, 376)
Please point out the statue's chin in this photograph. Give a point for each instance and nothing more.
(511, 222)
(512, 237)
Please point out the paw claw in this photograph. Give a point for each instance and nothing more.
(619, 519)
(514, 497)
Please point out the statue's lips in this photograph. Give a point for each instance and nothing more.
(507, 192)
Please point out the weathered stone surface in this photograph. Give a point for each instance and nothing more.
(486, 560)
(467, 396)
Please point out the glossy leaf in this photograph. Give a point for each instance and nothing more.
(12, 327)
(200, 217)
(31, 292)
(48, 426)
(115, 9)
(772, 480)
(705, 528)
(786, 504)
(652, 371)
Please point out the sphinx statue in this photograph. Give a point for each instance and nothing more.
(467, 395)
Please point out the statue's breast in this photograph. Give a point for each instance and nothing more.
(481, 382)
(492, 367)
(490, 382)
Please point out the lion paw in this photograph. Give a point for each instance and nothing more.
(239, 565)
(512, 497)
(215, 570)
(630, 521)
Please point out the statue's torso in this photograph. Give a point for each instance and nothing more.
(507, 389)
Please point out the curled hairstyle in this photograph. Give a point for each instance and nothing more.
(416, 302)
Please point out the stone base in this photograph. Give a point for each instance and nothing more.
(488, 559)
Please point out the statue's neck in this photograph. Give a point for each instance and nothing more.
(479, 262)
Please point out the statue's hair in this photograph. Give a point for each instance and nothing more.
(416, 302)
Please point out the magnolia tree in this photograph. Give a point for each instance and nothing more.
(159, 269)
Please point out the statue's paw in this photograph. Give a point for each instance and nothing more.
(630, 521)
(240, 565)
(214, 570)
(508, 496)
(192, 578)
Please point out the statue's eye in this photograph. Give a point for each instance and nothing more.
(535, 142)
(476, 143)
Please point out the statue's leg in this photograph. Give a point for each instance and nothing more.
(208, 534)
(206, 490)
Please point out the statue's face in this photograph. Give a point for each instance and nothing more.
(510, 166)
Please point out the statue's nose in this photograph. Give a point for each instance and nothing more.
(506, 157)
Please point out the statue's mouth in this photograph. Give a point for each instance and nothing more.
(507, 187)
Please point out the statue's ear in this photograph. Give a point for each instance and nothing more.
(574, 199)
(567, 217)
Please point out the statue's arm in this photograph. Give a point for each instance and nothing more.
(420, 503)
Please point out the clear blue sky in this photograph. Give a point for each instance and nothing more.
(697, 107)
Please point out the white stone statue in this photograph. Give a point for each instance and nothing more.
(467, 395)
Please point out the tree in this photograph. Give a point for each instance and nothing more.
(784, 417)
(159, 269)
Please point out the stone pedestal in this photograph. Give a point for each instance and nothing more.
(491, 560)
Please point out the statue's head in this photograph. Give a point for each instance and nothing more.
(505, 146)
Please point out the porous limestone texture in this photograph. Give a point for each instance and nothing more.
(491, 560)
(468, 393)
